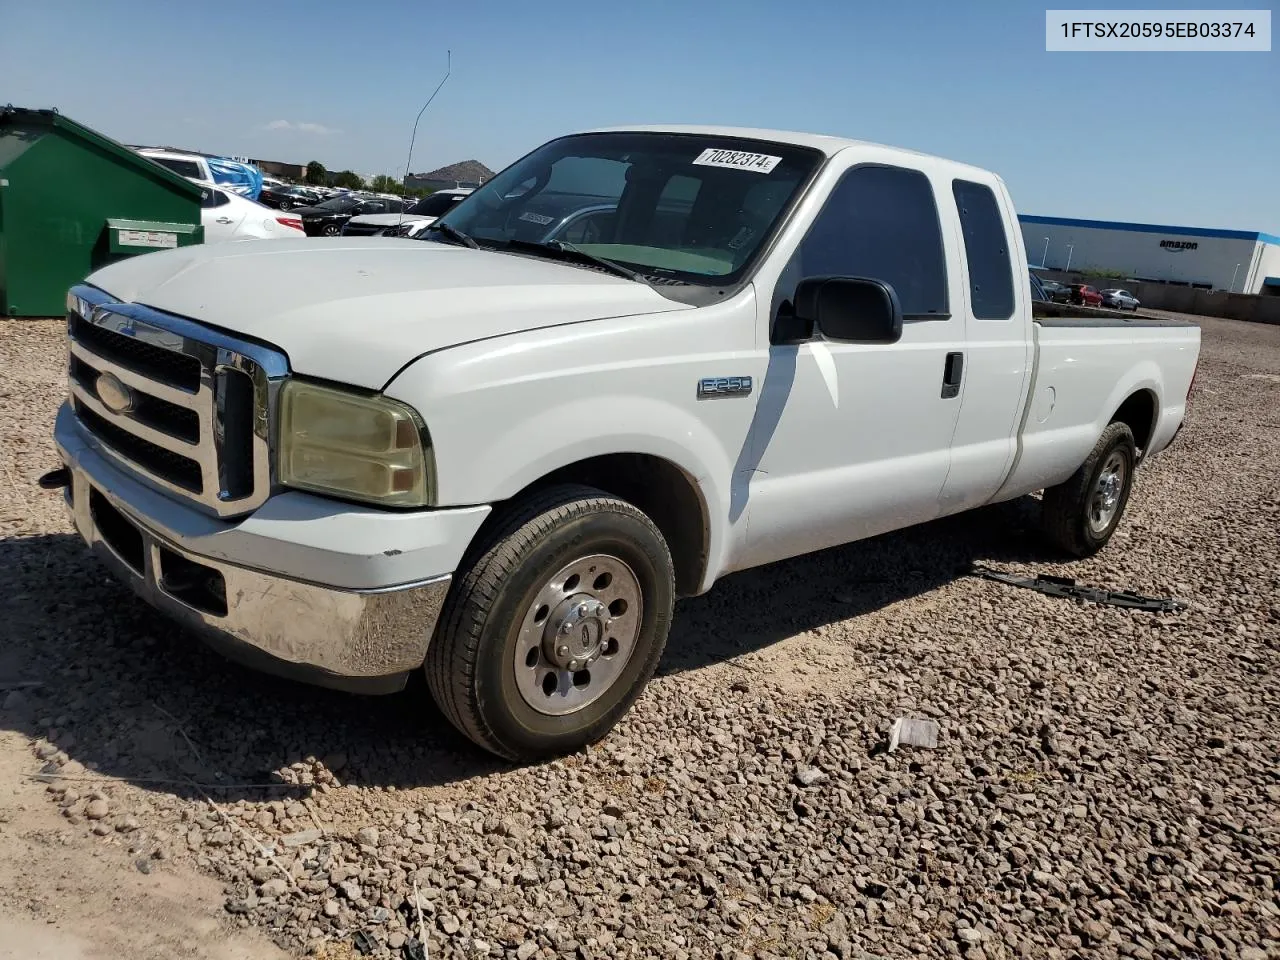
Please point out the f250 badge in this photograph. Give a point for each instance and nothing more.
(709, 388)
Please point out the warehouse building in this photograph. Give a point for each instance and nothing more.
(1240, 261)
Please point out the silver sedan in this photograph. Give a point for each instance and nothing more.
(1120, 300)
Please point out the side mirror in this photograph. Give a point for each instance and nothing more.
(842, 309)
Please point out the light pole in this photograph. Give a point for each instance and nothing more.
(1044, 256)
(1070, 247)
(1232, 288)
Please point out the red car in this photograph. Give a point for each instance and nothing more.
(1083, 295)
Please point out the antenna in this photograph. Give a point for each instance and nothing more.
(414, 136)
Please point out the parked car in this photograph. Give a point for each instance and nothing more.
(287, 197)
(229, 216)
(1083, 295)
(327, 218)
(411, 222)
(241, 178)
(1121, 300)
(190, 165)
(1055, 291)
(1037, 290)
(501, 460)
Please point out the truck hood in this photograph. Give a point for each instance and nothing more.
(356, 311)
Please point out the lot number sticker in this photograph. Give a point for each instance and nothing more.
(148, 238)
(737, 160)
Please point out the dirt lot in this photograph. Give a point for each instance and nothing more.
(1106, 782)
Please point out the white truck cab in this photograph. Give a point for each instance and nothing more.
(502, 454)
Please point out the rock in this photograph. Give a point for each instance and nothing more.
(351, 890)
(968, 935)
(1095, 930)
(97, 809)
(143, 865)
(300, 839)
(449, 924)
(101, 829)
(127, 825)
(15, 701)
(396, 940)
(808, 776)
(526, 950)
(332, 908)
(276, 888)
(368, 835)
(335, 761)
(45, 750)
(240, 904)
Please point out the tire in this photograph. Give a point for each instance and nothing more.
(330, 230)
(489, 663)
(286, 205)
(1082, 513)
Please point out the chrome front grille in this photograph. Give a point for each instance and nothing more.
(185, 407)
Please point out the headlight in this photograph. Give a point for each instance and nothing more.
(349, 445)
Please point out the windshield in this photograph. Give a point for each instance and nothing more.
(694, 208)
(339, 203)
(434, 205)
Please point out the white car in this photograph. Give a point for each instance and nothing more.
(229, 216)
(500, 459)
(411, 223)
(190, 165)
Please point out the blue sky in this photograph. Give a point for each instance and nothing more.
(1180, 138)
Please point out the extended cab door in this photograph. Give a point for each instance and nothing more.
(851, 440)
(996, 309)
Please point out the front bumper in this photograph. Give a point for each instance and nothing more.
(360, 639)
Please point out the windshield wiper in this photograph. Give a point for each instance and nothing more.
(454, 234)
(567, 251)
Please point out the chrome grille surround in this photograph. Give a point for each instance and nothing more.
(172, 366)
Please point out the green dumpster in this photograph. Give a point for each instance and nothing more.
(72, 200)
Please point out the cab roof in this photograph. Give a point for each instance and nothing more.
(827, 144)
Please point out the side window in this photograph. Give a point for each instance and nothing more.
(185, 168)
(210, 198)
(881, 223)
(986, 250)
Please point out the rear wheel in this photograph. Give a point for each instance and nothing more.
(330, 230)
(553, 625)
(1082, 513)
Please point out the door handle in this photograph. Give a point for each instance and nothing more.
(952, 375)
(224, 220)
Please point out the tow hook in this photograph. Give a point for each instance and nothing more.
(55, 479)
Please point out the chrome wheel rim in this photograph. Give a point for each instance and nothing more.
(1108, 489)
(578, 635)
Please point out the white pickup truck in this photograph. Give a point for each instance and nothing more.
(502, 457)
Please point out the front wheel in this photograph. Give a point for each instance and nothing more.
(554, 624)
(1082, 512)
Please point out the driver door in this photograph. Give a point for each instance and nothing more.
(854, 439)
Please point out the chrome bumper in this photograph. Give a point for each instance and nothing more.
(364, 641)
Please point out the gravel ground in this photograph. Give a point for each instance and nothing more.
(1105, 782)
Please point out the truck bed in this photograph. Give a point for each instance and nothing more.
(1069, 315)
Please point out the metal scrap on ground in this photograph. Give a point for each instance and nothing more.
(1067, 587)
(913, 733)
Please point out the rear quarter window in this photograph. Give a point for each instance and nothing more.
(986, 250)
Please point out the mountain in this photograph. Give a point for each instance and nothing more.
(466, 171)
